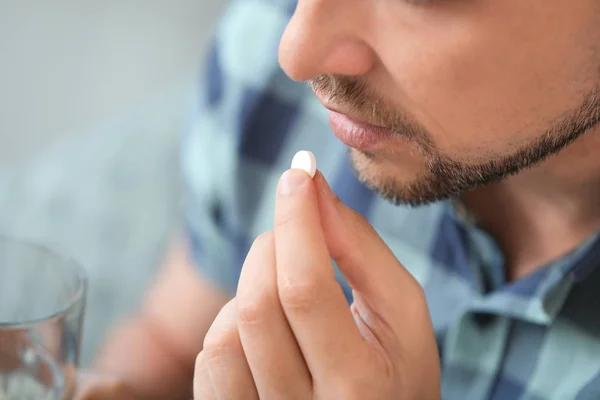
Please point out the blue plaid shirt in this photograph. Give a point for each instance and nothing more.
(536, 338)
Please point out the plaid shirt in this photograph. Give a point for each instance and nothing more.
(536, 338)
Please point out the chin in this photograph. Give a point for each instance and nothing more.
(380, 169)
(398, 179)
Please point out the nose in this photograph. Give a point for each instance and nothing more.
(327, 37)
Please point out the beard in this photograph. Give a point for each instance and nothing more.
(443, 176)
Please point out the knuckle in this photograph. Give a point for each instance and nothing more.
(255, 307)
(223, 336)
(216, 346)
(300, 297)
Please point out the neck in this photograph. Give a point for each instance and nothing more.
(544, 212)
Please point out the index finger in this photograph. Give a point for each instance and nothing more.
(312, 299)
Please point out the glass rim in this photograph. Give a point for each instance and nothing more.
(70, 263)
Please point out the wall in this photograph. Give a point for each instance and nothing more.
(68, 65)
(92, 100)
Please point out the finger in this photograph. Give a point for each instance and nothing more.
(95, 387)
(370, 267)
(312, 299)
(203, 389)
(351, 240)
(389, 304)
(225, 362)
(273, 355)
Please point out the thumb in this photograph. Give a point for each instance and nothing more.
(368, 264)
(389, 304)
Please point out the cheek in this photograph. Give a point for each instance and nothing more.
(485, 80)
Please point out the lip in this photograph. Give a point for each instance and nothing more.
(358, 135)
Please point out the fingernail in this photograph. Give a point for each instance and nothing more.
(291, 180)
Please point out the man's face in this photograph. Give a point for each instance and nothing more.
(454, 93)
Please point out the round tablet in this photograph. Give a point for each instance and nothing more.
(305, 160)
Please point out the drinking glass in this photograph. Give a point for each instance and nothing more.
(42, 305)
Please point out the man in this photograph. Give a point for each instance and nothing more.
(483, 114)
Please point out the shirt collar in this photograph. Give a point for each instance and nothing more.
(538, 297)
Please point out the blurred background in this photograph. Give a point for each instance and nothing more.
(93, 98)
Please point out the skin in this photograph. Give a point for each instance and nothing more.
(289, 332)
(101, 388)
(480, 82)
(488, 88)
(462, 83)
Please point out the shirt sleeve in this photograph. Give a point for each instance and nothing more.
(240, 64)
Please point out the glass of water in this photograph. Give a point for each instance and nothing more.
(42, 304)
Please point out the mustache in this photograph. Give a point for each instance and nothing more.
(361, 102)
(345, 91)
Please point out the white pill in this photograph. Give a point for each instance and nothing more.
(305, 160)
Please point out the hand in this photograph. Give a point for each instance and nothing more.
(95, 387)
(289, 333)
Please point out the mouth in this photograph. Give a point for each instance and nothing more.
(355, 133)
